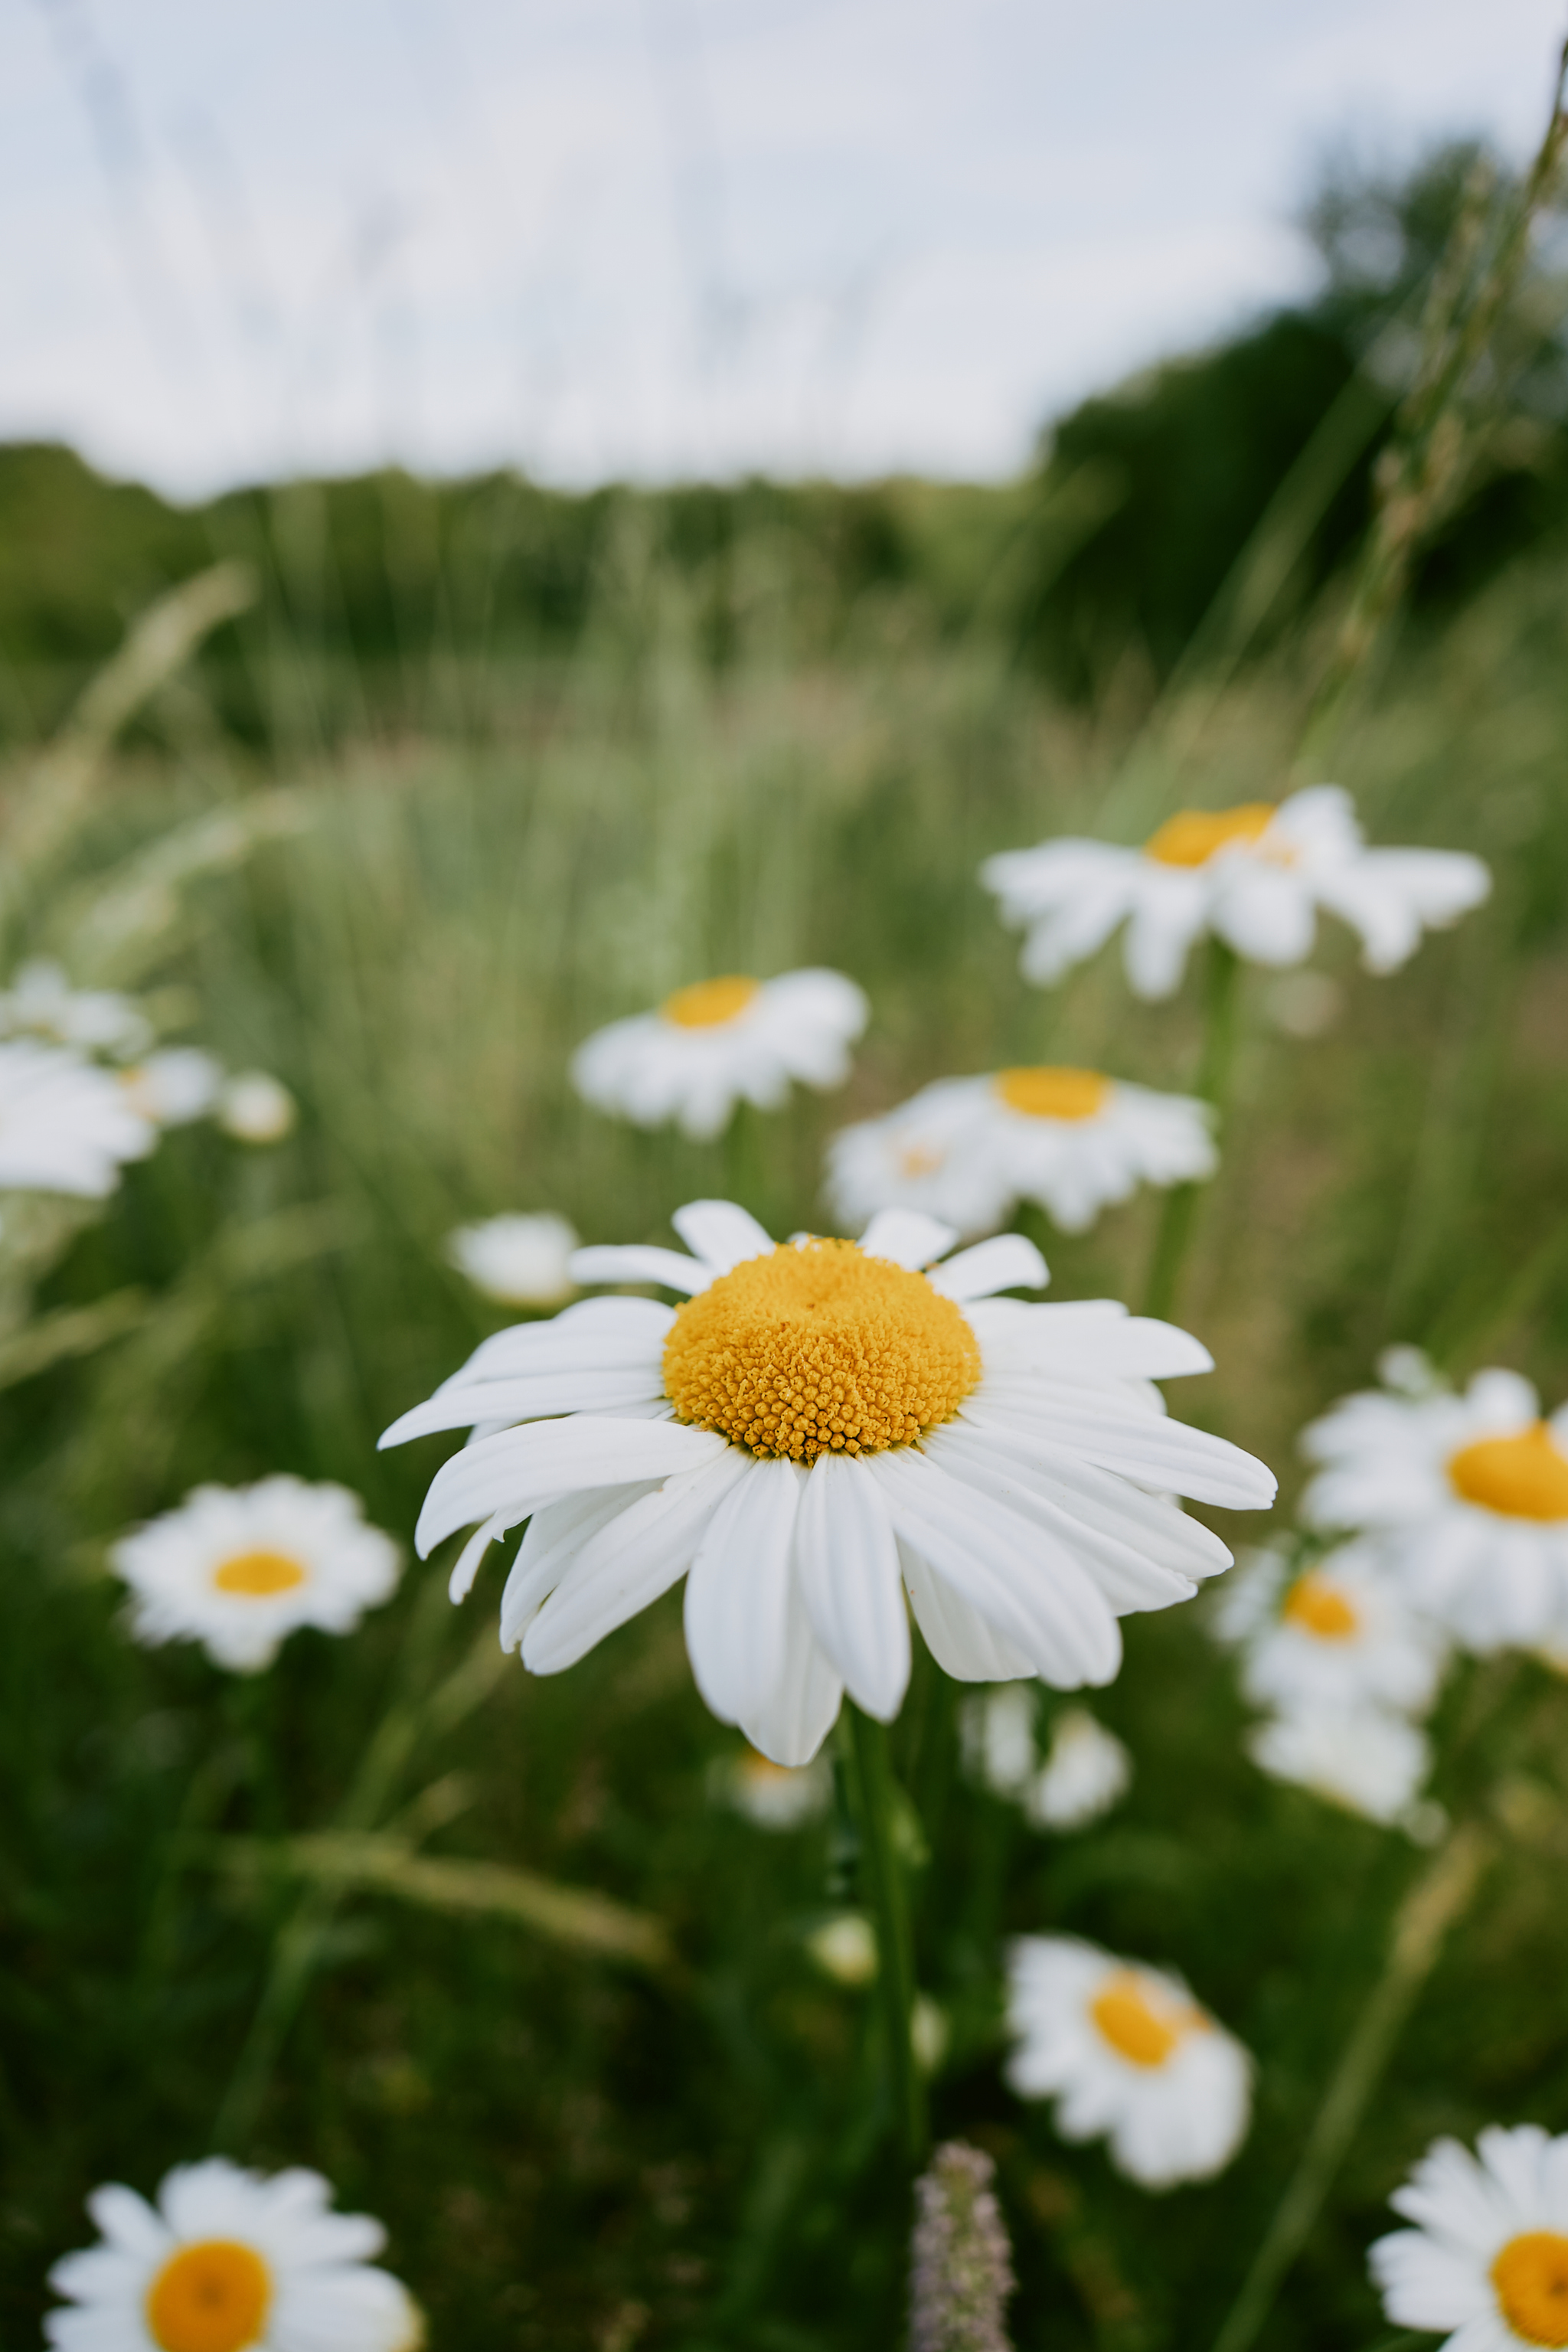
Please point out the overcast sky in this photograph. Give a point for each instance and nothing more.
(671, 236)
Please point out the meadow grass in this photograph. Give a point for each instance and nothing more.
(682, 2144)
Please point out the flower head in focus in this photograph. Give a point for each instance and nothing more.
(720, 1043)
(41, 1003)
(1127, 2055)
(1338, 1633)
(517, 1261)
(230, 2262)
(1487, 2263)
(1255, 877)
(820, 1427)
(1366, 1760)
(1466, 1495)
(969, 1149)
(66, 1126)
(239, 1568)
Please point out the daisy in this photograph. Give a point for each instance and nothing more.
(996, 1733)
(772, 1796)
(239, 1568)
(174, 1086)
(230, 2262)
(255, 1107)
(1467, 1495)
(1487, 2263)
(66, 1126)
(1128, 2055)
(820, 1426)
(517, 1261)
(1255, 877)
(1085, 1771)
(720, 1043)
(969, 1149)
(41, 1003)
(1363, 1759)
(1339, 1634)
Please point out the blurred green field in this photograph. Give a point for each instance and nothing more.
(485, 851)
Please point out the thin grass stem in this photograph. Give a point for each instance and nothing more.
(1437, 1900)
(1178, 1211)
(882, 1877)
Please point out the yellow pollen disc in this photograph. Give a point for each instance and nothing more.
(1530, 2276)
(255, 1575)
(1319, 1607)
(819, 1349)
(1134, 2029)
(707, 1003)
(210, 2298)
(1524, 1477)
(1053, 1094)
(1195, 835)
(763, 1768)
(917, 1159)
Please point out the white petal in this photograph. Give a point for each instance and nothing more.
(1118, 1436)
(519, 1469)
(531, 1396)
(461, 1581)
(638, 1261)
(1088, 1336)
(957, 1636)
(908, 1236)
(551, 1543)
(737, 1595)
(848, 1562)
(722, 1234)
(628, 1564)
(1007, 1262)
(1032, 1590)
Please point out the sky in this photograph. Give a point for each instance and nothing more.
(667, 238)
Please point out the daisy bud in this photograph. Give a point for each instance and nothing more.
(962, 2269)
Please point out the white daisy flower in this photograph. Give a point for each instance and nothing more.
(239, 1568)
(174, 1086)
(1128, 2056)
(772, 1796)
(1468, 1495)
(720, 1043)
(230, 2262)
(996, 1737)
(969, 1149)
(1487, 2263)
(845, 1948)
(1254, 875)
(1087, 1769)
(255, 1107)
(1338, 1633)
(41, 1003)
(1363, 1759)
(820, 1426)
(66, 1126)
(517, 1261)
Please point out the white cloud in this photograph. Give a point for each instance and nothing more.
(669, 236)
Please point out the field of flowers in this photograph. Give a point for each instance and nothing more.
(891, 1761)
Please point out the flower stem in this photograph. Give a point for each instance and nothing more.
(1222, 1006)
(882, 1880)
(1436, 1901)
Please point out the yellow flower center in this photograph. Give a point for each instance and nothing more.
(707, 1003)
(1053, 1094)
(917, 1159)
(762, 1771)
(210, 2298)
(1195, 835)
(1319, 1607)
(1135, 2028)
(819, 1349)
(1524, 1477)
(255, 1575)
(1530, 2276)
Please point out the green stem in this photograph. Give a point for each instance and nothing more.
(1178, 1214)
(1427, 1912)
(882, 1877)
